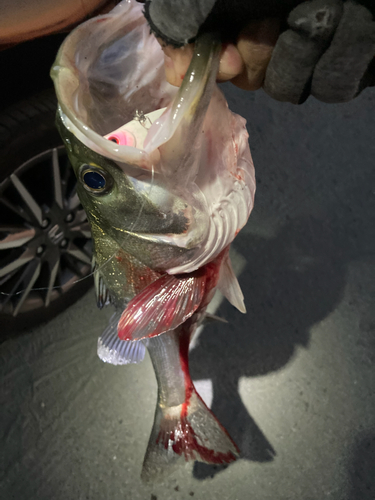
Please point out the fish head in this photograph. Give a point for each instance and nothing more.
(134, 211)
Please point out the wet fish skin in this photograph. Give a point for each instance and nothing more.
(161, 241)
(183, 428)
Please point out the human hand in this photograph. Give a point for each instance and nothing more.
(244, 63)
(324, 48)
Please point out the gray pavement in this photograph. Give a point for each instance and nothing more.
(293, 381)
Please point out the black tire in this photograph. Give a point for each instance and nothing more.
(27, 131)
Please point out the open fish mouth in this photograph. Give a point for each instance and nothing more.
(108, 71)
(109, 75)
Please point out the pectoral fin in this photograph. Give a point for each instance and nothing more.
(103, 296)
(161, 306)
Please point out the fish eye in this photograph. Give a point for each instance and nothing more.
(94, 179)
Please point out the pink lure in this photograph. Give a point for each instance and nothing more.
(121, 137)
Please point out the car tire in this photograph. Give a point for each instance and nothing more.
(45, 242)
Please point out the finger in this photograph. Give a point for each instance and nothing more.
(255, 45)
(231, 63)
(338, 74)
(176, 62)
(298, 49)
(256, 51)
(177, 21)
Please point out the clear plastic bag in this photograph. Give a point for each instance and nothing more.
(109, 70)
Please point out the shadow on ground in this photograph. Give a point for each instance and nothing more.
(290, 283)
(362, 477)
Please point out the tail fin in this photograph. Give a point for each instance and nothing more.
(189, 430)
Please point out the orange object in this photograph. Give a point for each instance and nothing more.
(21, 21)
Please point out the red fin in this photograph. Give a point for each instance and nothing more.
(161, 306)
(193, 433)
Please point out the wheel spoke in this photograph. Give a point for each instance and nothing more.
(17, 263)
(74, 266)
(81, 230)
(80, 216)
(21, 213)
(78, 254)
(15, 290)
(16, 237)
(31, 275)
(68, 171)
(12, 292)
(7, 277)
(57, 179)
(54, 268)
(27, 198)
(73, 201)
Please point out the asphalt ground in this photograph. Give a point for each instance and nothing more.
(293, 380)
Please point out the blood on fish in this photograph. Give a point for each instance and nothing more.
(183, 438)
(137, 275)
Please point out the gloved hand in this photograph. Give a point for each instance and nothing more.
(325, 48)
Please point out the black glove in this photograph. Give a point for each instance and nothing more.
(178, 22)
(326, 48)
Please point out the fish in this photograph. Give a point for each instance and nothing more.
(163, 211)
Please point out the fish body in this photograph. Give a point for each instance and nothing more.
(163, 212)
(183, 425)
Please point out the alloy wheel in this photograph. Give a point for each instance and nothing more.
(45, 240)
